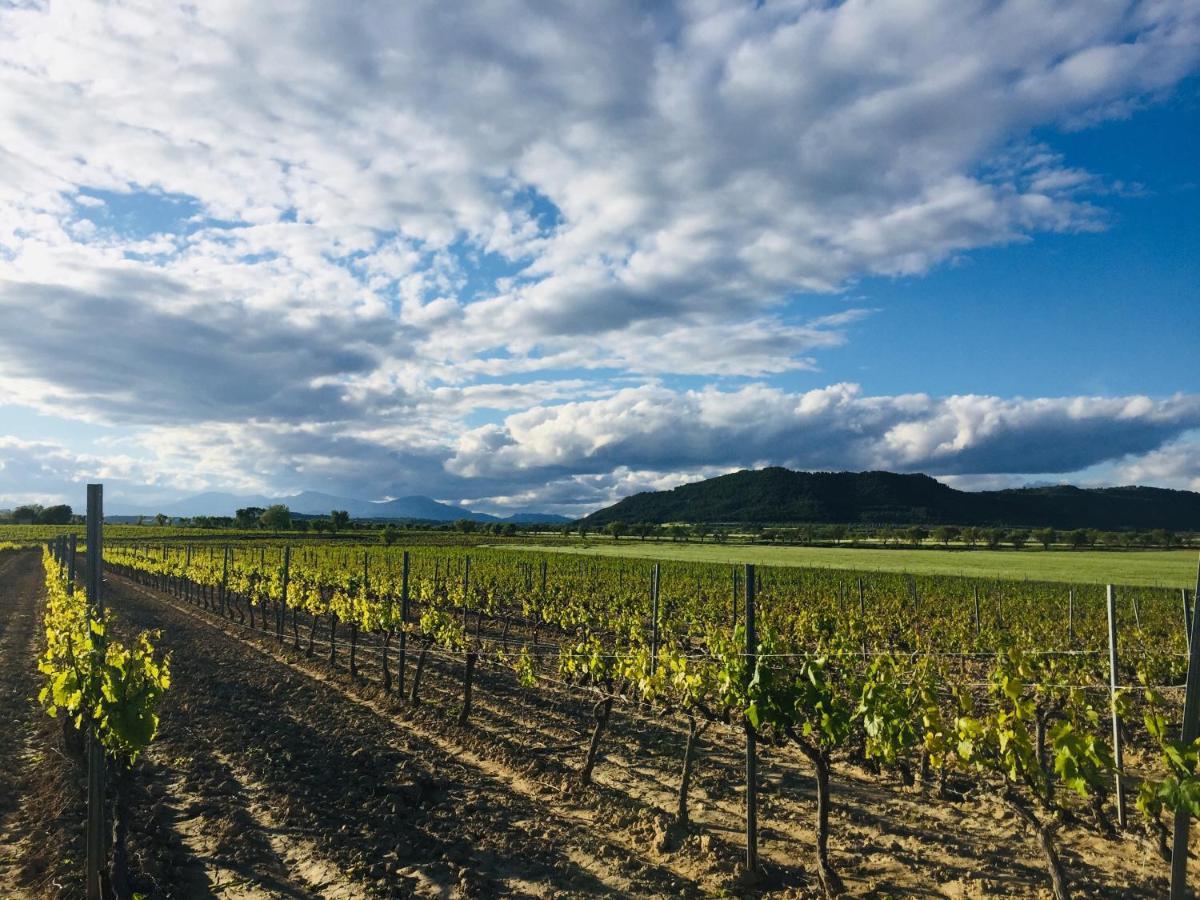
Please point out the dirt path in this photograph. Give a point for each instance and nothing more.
(20, 594)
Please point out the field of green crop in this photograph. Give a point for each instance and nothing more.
(1164, 568)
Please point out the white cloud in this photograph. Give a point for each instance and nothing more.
(1177, 465)
(655, 428)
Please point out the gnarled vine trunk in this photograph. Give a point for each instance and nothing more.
(415, 697)
(695, 729)
(1045, 839)
(600, 713)
(468, 675)
(312, 634)
(387, 672)
(831, 882)
(118, 871)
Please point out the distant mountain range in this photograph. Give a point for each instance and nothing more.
(314, 503)
(780, 496)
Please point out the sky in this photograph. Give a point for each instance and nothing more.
(518, 258)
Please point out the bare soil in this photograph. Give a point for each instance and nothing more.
(41, 787)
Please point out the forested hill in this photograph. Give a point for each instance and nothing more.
(781, 496)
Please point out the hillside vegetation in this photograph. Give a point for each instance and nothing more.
(778, 495)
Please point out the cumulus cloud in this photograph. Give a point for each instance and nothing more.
(655, 428)
(1177, 464)
(344, 235)
(48, 472)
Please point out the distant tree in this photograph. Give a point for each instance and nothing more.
(1045, 537)
(837, 533)
(1077, 538)
(971, 536)
(583, 532)
(300, 525)
(720, 535)
(389, 535)
(466, 526)
(213, 521)
(277, 518)
(566, 530)
(995, 537)
(161, 519)
(1160, 537)
(886, 535)
(55, 515)
(615, 529)
(338, 519)
(508, 529)
(916, 534)
(320, 526)
(701, 531)
(248, 517)
(944, 534)
(1019, 539)
(678, 533)
(141, 520)
(27, 514)
(643, 530)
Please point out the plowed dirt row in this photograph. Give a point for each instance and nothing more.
(18, 686)
(41, 790)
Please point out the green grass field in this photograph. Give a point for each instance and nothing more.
(1168, 568)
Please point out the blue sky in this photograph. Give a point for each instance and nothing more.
(1116, 311)
(613, 251)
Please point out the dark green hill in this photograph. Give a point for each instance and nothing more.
(781, 496)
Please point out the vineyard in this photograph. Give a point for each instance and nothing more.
(764, 697)
(964, 687)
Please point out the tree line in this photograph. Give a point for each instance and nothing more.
(913, 535)
(36, 514)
